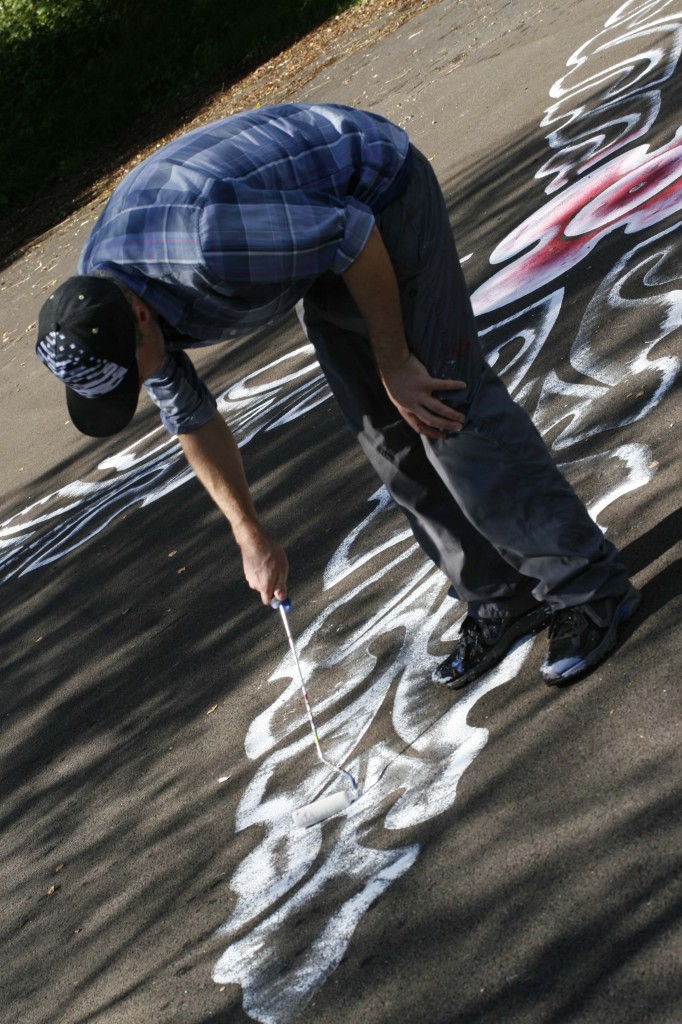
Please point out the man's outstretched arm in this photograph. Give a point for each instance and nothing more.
(214, 456)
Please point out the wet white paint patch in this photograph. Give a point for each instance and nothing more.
(274, 982)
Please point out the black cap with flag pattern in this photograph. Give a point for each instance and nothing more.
(86, 338)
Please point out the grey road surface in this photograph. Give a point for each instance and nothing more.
(515, 855)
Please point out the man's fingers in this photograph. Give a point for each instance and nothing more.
(265, 567)
(267, 594)
(447, 385)
(417, 396)
(427, 431)
(438, 414)
(422, 427)
(443, 416)
(432, 424)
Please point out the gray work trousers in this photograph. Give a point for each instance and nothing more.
(487, 505)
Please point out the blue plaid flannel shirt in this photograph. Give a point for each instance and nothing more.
(225, 229)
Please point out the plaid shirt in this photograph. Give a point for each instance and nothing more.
(226, 228)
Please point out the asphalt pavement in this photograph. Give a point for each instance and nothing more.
(515, 855)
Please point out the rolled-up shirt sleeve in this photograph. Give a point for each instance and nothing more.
(182, 398)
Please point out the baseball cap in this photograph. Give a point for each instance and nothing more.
(86, 338)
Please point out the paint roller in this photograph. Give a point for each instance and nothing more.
(326, 806)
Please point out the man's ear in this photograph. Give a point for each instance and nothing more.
(141, 311)
(149, 350)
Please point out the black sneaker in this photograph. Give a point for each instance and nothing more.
(483, 643)
(581, 637)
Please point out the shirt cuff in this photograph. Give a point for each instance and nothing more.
(359, 225)
(184, 401)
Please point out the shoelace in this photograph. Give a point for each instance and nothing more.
(470, 637)
(563, 625)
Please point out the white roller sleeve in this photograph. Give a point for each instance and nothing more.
(321, 809)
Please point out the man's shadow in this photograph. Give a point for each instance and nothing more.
(640, 553)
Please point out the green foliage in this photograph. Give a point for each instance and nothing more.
(75, 74)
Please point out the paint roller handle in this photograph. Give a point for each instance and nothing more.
(285, 604)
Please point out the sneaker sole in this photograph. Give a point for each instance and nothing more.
(529, 625)
(624, 611)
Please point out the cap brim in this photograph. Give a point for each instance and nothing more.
(107, 414)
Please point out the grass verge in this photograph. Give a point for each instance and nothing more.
(76, 76)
